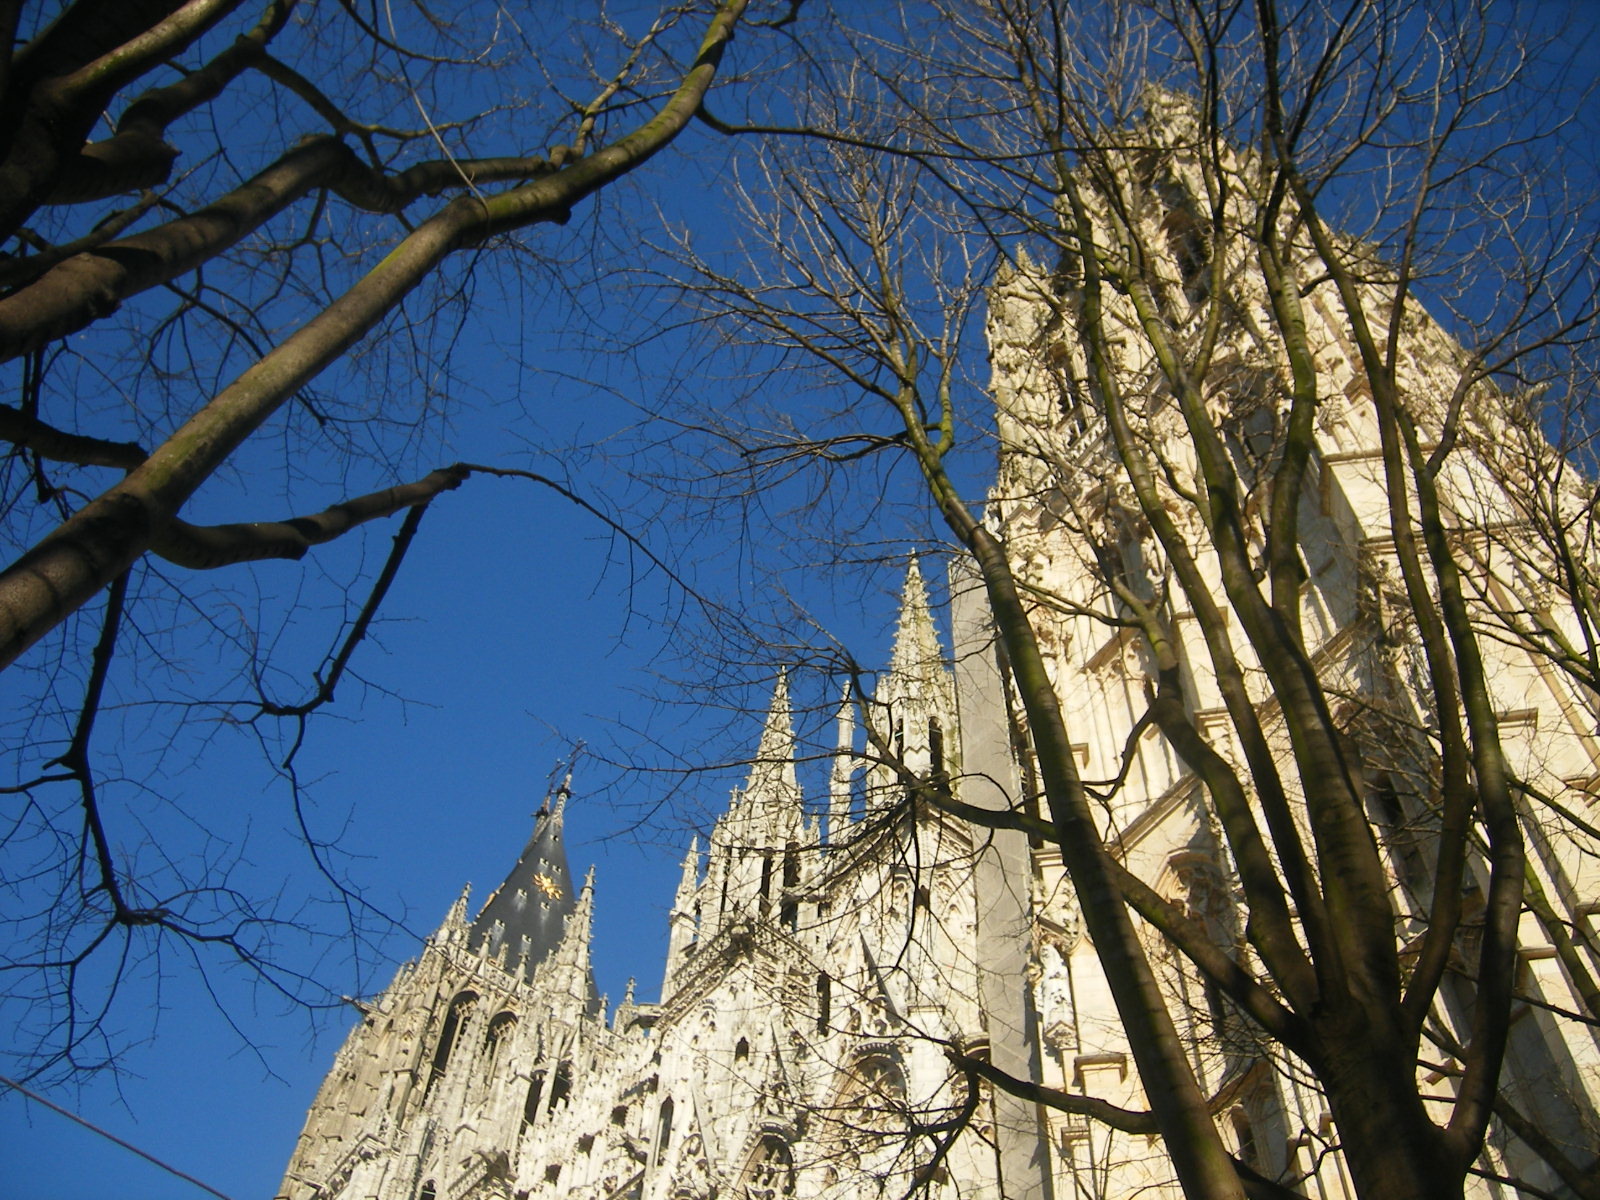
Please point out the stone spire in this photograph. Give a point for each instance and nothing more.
(916, 653)
(769, 811)
(844, 764)
(773, 767)
(914, 704)
(567, 978)
(683, 922)
(690, 881)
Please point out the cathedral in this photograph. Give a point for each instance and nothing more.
(818, 966)
(831, 961)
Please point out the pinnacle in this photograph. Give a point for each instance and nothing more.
(916, 641)
(772, 774)
(691, 870)
(777, 735)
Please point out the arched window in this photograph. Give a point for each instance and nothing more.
(1190, 252)
(878, 1089)
(791, 865)
(789, 913)
(824, 1002)
(935, 748)
(561, 1085)
(664, 1128)
(530, 1107)
(771, 1170)
(494, 1042)
(766, 880)
(742, 1050)
(455, 1020)
(428, 1192)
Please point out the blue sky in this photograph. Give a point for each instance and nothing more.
(514, 632)
(519, 625)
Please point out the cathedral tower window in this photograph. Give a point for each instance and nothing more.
(789, 913)
(561, 1085)
(771, 1172)
(664, 1128)
(791, 865)
(428, 1192)
(766, 880)
(500, 1030)
(824, 1002)
(935, 747)
(742, 1050)
(1244, 1131)
(878, 1089)
(455, 1020)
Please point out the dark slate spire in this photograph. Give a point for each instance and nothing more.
(527, 914)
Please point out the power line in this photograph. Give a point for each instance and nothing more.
(111, 1137)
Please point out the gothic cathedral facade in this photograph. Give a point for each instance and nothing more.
(825, 960)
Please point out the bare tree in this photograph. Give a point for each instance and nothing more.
(216, 221)
(1204, 230)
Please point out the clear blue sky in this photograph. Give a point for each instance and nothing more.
(515, 632)
(518, 626)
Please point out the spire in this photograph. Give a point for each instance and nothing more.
(843, 766)
(772, 775)
(528, 913)
(575, 938)
(566, 974)
(916, 641)
(777, 735)
(691, 877)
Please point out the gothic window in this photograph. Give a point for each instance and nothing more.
(742, 1050)
(1185, 240)
(789, 913)
(824, 1003)
(791, 865)
(561, 1085)
(771, 1171)
(664, 1128)
(450, 1034)
(882, 1075)
(530, 1107)
(935, 747)
(766, 880)
(428, 1192)
(877, 1090)
(1190, 253)
(500, 1030)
